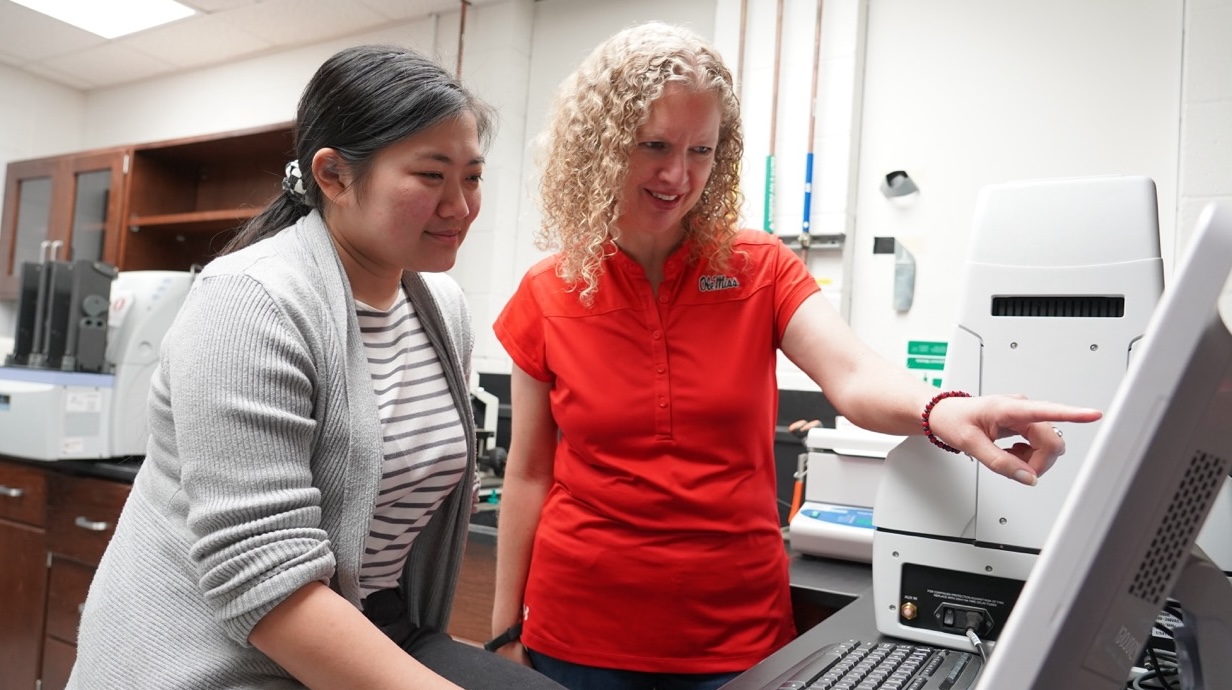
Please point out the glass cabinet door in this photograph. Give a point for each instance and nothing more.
(89, 214)
(94, 223)
(28, 219)
(63, 208)
(33, 219)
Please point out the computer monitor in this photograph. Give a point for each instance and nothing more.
(1123, 543)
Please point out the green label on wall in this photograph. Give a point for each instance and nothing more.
(926, 348)
(929, 363)
(926, 359)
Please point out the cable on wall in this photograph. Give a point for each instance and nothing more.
(461, 36)
(768, 213)
(806, 225)
(744, 18)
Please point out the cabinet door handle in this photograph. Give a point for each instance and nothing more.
(55, 248)
(91, 525)
(11, 492)
(81, 608)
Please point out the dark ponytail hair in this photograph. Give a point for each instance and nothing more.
(360, 101)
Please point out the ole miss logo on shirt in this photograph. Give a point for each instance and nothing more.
(713, 283)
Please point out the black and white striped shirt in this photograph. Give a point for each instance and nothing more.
(425, 450)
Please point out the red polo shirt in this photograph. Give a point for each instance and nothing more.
(659, 548)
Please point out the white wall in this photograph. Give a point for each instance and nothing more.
(37, 118)
(563, 32)
(836, 121)
(516, 51)
(1205, 170)
(514, 54)
(961, 95)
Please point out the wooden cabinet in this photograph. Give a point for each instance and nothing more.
(167, 205)
(81, 517)
(23, 574)
(65, 208)
(186, 197)
(54, 528)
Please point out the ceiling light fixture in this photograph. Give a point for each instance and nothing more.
(112, 18)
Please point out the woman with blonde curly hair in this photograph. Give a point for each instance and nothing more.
(639, 545)
(598, 113)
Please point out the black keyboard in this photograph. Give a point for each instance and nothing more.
(858, 665)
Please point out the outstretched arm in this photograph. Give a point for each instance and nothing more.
(878, 396)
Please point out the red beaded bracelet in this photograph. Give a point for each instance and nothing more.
(928, 411)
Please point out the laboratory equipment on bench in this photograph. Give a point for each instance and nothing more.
(87, 343)
(1123, 548)
(841, 470)
(1060, 281)
(490, 458)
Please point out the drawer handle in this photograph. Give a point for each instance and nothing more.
(11, 492)
(91, 525)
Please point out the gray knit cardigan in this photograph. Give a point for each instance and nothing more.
(262, 472)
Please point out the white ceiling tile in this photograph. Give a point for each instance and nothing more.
(410, 9)
(209, 6)
(298, 22)
(406, 34)
(109, 64)
(223, 30)
(35, 36)
(200, 41)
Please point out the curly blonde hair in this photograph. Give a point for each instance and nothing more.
(594, 121)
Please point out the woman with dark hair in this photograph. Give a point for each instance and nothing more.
(300, 516)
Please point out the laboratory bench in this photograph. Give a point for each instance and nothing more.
(55, 521)
(57, 517)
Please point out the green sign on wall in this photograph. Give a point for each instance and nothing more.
(926, 359)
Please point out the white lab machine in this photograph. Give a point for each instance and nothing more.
(53, 414)
(842, 470)
(490, 457)
(485, 407)
(1060, 281)
(1123, 547)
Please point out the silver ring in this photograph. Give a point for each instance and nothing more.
(1059, 434)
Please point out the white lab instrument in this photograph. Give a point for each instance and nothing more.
(1061, 279)
(842, 470)
(1124, 540)
(51, 414)
(485, 407)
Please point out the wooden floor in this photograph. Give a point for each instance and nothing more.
(472, 605)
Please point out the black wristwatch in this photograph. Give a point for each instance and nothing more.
(511, 635)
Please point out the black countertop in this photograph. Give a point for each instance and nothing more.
(829, 581)
(115, 469)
